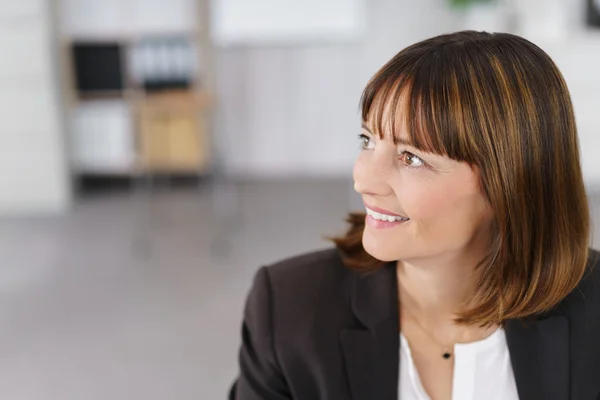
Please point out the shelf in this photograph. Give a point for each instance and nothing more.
(133, 172)
(97, 171)
(101, 95)
(94, 39)
(141, 36)
(174, 100)
(126, 38)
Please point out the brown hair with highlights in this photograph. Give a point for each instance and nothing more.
(498, 102)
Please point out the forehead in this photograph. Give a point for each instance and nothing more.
(399, 135)
(387, 114)
(388, 118)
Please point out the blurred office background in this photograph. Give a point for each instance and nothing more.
(155, 153)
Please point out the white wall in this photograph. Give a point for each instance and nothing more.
(260, 22)
(33, 172)
(579, 61)
(293, 110)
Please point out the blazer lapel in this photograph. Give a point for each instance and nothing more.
(539, 351)
(372, 352)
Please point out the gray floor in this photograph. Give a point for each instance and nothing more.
(137, 296)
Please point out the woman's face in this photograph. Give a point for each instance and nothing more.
(446, 212)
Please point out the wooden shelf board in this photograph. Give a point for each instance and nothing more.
(126, 38)
(100, 95)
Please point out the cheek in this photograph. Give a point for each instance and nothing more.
(420, 199)
(444, 210)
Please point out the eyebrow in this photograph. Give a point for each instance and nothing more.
(398, 140)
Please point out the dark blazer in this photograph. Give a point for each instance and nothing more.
(314, 329)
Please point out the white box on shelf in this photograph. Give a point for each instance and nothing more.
(102, 137)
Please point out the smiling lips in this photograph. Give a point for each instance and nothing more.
(380, 220)
(384, 215)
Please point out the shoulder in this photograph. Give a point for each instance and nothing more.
(303, 288)
(316, 266)
(302, 279)
(589, 288)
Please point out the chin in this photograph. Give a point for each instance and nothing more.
(379, 250)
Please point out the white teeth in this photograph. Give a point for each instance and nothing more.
(384, 217)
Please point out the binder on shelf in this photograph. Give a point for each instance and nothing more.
(98, 67)
(163, 63)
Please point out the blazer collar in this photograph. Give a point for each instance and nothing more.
(539, 347)
(539, 352)
(371, 351)
(375, 296)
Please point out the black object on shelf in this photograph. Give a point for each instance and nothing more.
(593, 13)
(98, 67)
(157, 85)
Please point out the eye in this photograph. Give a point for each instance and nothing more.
(365, 142)
(411, 160)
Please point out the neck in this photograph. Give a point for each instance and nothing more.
(437, 288)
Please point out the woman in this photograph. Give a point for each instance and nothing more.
(469, 276)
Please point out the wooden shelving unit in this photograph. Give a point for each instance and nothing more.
(133, 130)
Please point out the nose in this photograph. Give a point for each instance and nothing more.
(371, 175)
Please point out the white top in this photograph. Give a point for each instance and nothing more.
(482, 370)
